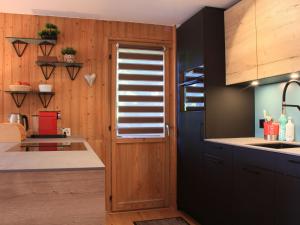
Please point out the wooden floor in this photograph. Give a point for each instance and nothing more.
(127, 218)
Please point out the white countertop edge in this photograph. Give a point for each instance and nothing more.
(246, 142)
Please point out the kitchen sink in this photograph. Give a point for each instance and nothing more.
(277, 145)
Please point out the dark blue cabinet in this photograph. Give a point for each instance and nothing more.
(288, 191)
(245, 186)
(239, 184)
(254, 187)
(218, 181)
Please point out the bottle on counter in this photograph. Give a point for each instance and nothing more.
(282, 127)
(290, 130)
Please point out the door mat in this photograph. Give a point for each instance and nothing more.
(168, 221)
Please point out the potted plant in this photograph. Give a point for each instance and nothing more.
(69, 54)
(50, 32)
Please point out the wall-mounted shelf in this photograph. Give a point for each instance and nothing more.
(45, 98)
(18, 96)
(20, 44)
(48, 68)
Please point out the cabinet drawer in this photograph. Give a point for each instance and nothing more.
(218, 152)
(289, 165)
(256, 158)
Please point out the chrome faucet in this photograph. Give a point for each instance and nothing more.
(284, 105)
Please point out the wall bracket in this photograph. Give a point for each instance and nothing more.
(18, 97)
(49, 67)
(20, 44)
(73, 71)
(20, 47)
(45, 98)
(46, 47)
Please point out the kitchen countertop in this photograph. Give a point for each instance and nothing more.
(244, 142)
(48, 160)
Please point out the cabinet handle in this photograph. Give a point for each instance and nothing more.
(251, 171)
(294, 161)
(214, 159)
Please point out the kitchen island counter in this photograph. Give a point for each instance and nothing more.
(48, 160)
(51, 187)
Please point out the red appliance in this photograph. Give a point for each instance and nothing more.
(48, 122)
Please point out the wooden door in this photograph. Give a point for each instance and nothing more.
(240, 42)
(140, 162)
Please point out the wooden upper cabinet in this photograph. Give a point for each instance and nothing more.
(240, 42)
(278, 37)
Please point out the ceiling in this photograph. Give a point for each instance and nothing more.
(164, 12)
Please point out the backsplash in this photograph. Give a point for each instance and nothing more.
(269, 97)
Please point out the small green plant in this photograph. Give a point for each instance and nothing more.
(51, 26)
(68, 51)
(49, 32)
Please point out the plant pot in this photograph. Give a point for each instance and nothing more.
(69, 58)
(45, 87)
(49, 37)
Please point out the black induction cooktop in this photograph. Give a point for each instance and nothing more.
(45, 147)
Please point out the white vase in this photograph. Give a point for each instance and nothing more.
(69, 58)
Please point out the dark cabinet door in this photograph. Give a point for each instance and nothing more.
(254, 189)
(190, 157)
(218, 183)
(288, 191)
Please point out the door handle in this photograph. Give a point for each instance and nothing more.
(294, 161)
(214, 159)
(167, 130)
(248, 170)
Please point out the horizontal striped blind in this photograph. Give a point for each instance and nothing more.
(194, 98)
(140, 91)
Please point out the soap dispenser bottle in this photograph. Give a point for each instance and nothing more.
(282, 129)
(290, 130)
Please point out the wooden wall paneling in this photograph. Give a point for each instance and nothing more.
(77, 94)
(103, 94)
(81, 94)
(65, 93)
(35, 77)
(91, 91)
(33, 71)
(2, 20)
(278, 37)
(61, 85)
(107, 128)
(7, 71)
(240, 42)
